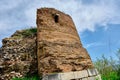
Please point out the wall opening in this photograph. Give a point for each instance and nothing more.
(56, 18)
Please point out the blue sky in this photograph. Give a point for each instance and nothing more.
(97, 21)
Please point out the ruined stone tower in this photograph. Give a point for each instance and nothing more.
(55, 52)
(59, 46)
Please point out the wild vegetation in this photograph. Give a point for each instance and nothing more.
(28, 78)
(109, 68)
(30, 32)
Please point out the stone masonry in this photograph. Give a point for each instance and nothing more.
(89, 74)
(59, 48)
(18, 55)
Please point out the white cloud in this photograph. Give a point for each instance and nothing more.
(101, 13)
(94, 44)
(7, 5)
(86, 15)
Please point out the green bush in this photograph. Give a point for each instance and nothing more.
(108, 68)
(29, 32)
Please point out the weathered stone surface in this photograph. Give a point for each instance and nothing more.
(92, 72)
(91, 78)
(67, 76)
(80, 74)
(75, 75)
(18, 55)
(96, 71)
(84, 79)
(59, 46)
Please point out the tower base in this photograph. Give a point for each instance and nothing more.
(89, 74)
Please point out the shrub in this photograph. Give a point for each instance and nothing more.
(108, 68)
(29, 32)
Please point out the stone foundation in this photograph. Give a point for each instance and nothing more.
(89, 74)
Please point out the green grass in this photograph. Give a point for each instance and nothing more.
(110, 76)
(28, 78)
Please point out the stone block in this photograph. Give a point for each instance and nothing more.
(67, 76)
(91, 72)
(52, 77)
(91, 78)
(96, 71)
(81, 74)
(84, 79)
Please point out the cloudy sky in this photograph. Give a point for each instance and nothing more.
(97, 21)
